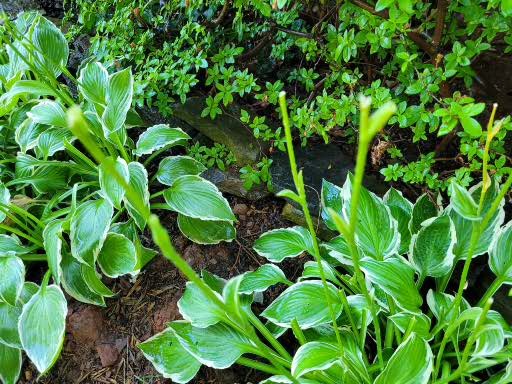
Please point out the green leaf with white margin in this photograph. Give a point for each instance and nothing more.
(74, 283)
(305, 302)
(500, 254)
(278, 244)
(27, 134)
(172, 167)
(11, 246)
(196, 197)
(401, 209)
(338, 249)
(10, 367)
(395, 277)
(119, 100)
(422, 210)
(169, 357)
(431, 251)
(42, 326)
(402, 369)
(93, 83)
(490, 340)
(93, 280)
(159, 136)
(358, 306)
(462, 202)
(505, 376)
(52, 141)
(421, 325)
(441, 305)
(311, 270)
(109, 185)
(48, 112)
(139, 182)
(264, 277)
(52, 49)
(218, 346)
(314, 356)
(330, 198)
(464, 227)
(377, 230)
(117, 256)
(206, 231)
(32, 87)
(197, 308)
(89, 226)
(52, 242)
(9, 316)
(5, 198)
(279, 379)
(12, 271)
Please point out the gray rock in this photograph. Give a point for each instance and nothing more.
(151, 116)
(226, 129)
(317, 162)
(229, 181)
(13, 7)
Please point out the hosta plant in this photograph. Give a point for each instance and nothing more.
(377, 304)
(58, 207)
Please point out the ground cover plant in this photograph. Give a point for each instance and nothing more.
(421, 55)
(60, 208)
(358, 312)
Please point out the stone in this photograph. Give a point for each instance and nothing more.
(86, 325)
(229, 181)
(318, 162)
(151, 116)
(226, 129)
(167, 312)
(109, 352)
(240, 209)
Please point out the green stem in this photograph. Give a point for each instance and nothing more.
(491, 290)
(21, 234)
(246, 362)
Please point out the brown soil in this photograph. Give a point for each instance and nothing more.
(101, 343)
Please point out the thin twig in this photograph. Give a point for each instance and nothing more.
(442, 9)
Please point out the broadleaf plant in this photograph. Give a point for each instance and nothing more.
(57, 206)
(359, 318)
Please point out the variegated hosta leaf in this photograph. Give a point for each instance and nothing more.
(432, 247)
(139, 182)
(110, 187)
(441, 305)
(218, 346)
(338, 249)
(264, 277)
(330, 198)
(119, 100)
(305, 302)
(377, 231)
(421, 326)
(197, 308)
(10, 366)
(196, 197)
(422, 210)
(172, 167)
(490, 340)
(27, 134)
(412, 362)
(206, 231)
(74, 283)
(314, 356)
(12, 272)
(89, 226)
(169, 357)
(281, 379)
(462, 202)
(52, 140)
(53, 247)
(401, 209)
(51, 47)
(464, 227)
(159, 136)
(311, 270)
(395, 277)
(359, 308)
(5, 198)
(93, 83)
(500, 260)
(48, 112)
(42, 326)
(9, 334)
(11, 246)
(117, 256)
(278, 244)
